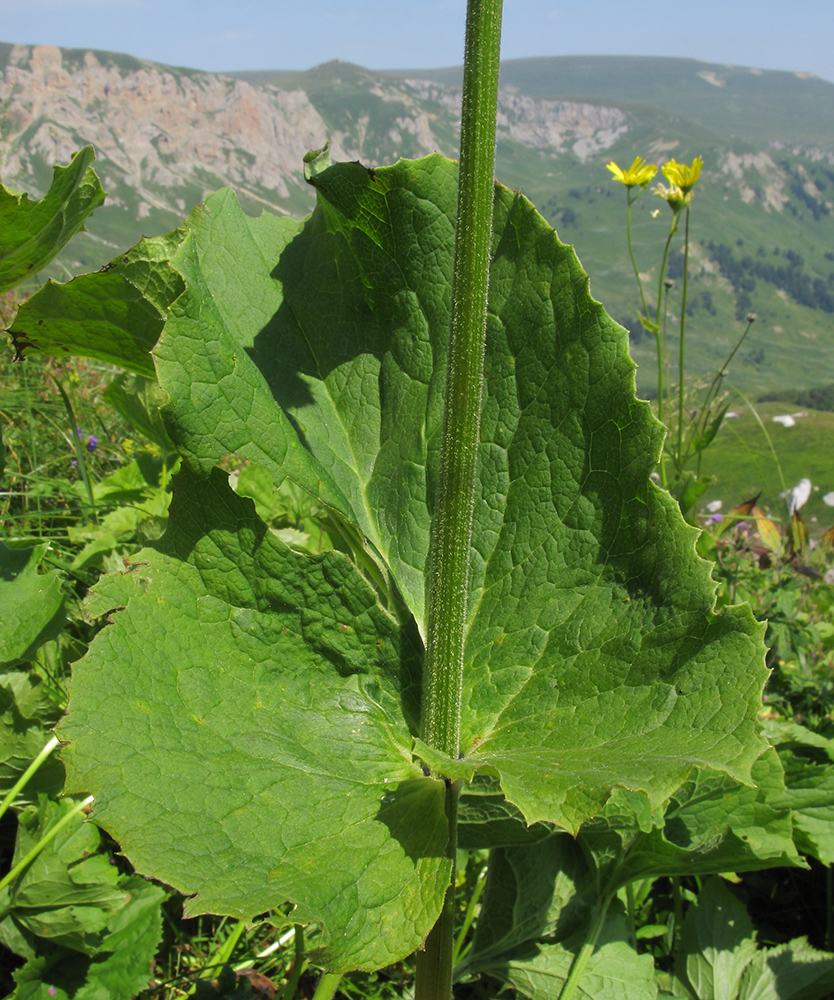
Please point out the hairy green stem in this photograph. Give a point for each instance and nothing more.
(435, 962)
(451, 531)
(448, 564)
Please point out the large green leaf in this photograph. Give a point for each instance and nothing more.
(614, 972)
(808, 760)
(283, 767)
(711, 824)
(33, 232)
(593, 657)
(720, 959)
(31, 604)
(545, 892)
(121, 967)
(591, 623)
(114, 315)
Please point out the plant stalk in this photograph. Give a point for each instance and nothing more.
(46, 839)
(435, 963)
(23, 780)
(583, 956)
(451, 533)
(328, 984)
(679, 458)
(448, 562)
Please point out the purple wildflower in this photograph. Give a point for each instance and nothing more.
(79, 433)
(715, 519)
(92, 441)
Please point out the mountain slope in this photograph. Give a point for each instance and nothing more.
(763, 215)
(759, 105)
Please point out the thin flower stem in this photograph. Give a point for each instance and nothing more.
(663, 262)
(328, 984)
(629, 202)
(679, 457)
(583, 956)
(46, 839)
(78, 448)
(23, 780)
(672, 231)
(664, 392)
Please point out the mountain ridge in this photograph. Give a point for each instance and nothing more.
(165, 136)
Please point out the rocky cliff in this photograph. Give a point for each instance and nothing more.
(165, 136)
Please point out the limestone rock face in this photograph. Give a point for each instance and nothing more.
(165, 136)
(157, 132)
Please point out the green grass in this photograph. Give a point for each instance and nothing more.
(744, 465)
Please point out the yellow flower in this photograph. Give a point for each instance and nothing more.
(639, 172)
(675, 197)
(681, 175)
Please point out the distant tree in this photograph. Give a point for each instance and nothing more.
(820, 398)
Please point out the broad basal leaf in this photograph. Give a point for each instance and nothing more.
(266, 723)
(33, 232)
(710, 824)
(593, 658)
(541, 894)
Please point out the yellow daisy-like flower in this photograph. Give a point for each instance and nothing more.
(639, 173)
(681, 175)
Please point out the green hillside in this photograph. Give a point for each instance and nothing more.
(760, 105)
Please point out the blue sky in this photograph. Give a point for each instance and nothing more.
(388, 34)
